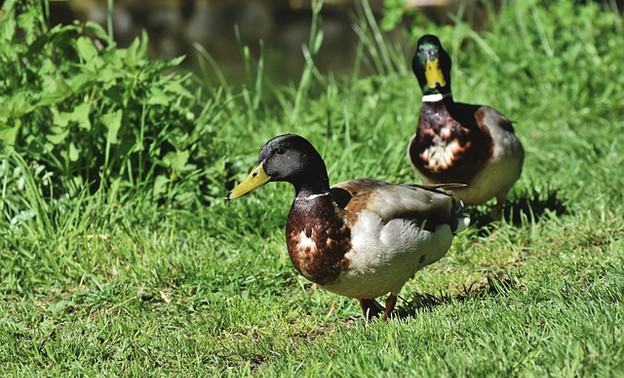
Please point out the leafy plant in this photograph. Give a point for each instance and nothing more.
(96, 115)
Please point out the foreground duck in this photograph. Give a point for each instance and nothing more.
(361, 238)
(456, 142)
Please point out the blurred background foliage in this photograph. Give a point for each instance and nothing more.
(95, 106)
(87, 114)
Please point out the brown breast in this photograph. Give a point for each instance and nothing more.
(317, 239)
(449, 146)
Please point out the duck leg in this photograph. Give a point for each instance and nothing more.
(497, 210)
(390, 303)
(370, 307)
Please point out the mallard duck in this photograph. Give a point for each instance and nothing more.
(456, 142)
(362, 238)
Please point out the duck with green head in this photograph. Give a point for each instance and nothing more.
(457, 142)
(362, 238)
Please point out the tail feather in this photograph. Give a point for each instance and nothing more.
(463, 220)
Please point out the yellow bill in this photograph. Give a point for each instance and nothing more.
(256, 179)
(434, 74)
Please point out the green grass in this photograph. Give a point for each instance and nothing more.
(91, 284)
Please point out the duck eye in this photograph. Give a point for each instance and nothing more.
(280, 151)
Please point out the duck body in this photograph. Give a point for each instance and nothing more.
(457, 142)
(471, 144)
(362, 238)
(366, 249)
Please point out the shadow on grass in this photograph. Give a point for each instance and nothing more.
(499, 284)
(529, 205)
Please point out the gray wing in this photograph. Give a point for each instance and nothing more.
(428, 206)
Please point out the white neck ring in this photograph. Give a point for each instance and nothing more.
(435, 97)
(313, 196)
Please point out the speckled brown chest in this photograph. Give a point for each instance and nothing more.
(317, 238)
(469, 146)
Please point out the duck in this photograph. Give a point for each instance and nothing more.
(362, 238)
(457, 142)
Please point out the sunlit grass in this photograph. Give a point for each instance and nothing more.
(112, 284)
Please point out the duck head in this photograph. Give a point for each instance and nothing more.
(289, 158)
(432, 66)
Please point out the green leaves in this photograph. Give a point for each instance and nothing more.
(79, 115)
(54, 90)
(394, 12)
(8, 134)
(94, 112)
(112, 121)
(86, 49)
(178, 161)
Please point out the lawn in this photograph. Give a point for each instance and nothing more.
(145, 278)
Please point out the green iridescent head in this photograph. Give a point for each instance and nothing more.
(432, 66)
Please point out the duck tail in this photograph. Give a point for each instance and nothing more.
(462, 220)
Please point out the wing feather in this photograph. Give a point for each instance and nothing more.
(429, 206)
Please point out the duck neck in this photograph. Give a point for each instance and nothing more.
(436, 111)
(436, 97)
(312, 185)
